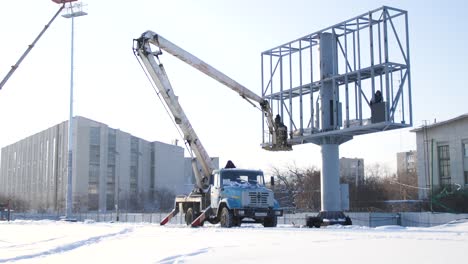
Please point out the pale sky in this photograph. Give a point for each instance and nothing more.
(111, 88)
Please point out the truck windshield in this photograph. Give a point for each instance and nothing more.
(239, 176)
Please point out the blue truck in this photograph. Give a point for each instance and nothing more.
(235, 196)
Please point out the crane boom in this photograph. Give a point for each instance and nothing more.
(278, 132)
(200, 65)
(30, 47)
(156, 70)
(220, 196)
(160, 79)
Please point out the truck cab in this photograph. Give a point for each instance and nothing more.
(240, 196)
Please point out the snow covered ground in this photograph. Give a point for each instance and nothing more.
(89, 242)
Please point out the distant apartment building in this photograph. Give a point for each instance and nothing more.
(110, 168)
(407, 163)
(352, 170)
(442, 154)
(406, 173)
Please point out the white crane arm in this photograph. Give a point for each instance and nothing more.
(160, 79)
(30, 47)
(279, 138)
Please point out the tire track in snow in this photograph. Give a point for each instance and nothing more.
(68, 247)
(180, 258)
(29, 244)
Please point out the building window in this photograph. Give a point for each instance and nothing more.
(93, 200)
(465, 150)
(112, 138)
(94, 167)
(95, 136)
(466, 177)
(410, 158)
(134, 160)
(93, 174)
(111, 147)
(110, 202)
(110, 173)
(152, 171)
(134, 144)
(111, 162)
(444, 164)
(94, 154)
(93, 187)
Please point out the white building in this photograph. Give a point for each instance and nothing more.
(442, 153)
(110, 167)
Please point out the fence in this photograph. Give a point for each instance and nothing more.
(416, 219)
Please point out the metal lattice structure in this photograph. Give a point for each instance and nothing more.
(368, 53)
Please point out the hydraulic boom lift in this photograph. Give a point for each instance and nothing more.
(229, 196)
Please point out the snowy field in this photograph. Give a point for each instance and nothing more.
(89, 242)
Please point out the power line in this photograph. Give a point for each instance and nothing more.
(409, 186)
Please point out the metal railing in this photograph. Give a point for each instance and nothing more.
(416, 219)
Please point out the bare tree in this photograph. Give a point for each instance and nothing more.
(408, 185)
(377, 170)
(298, 188)
(383, 190)
(284, 189)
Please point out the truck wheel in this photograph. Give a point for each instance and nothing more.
(226, 218)
(270, 221)
(312, 221)
(348, 221)
(189, 216)
(237, 221)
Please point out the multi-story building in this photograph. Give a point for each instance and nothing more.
(110, 168)
(406, 173)
(442, 154)
(407, 162)
(352, 170)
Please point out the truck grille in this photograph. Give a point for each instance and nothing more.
(258, 199)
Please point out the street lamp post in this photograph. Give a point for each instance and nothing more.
(72, 11)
